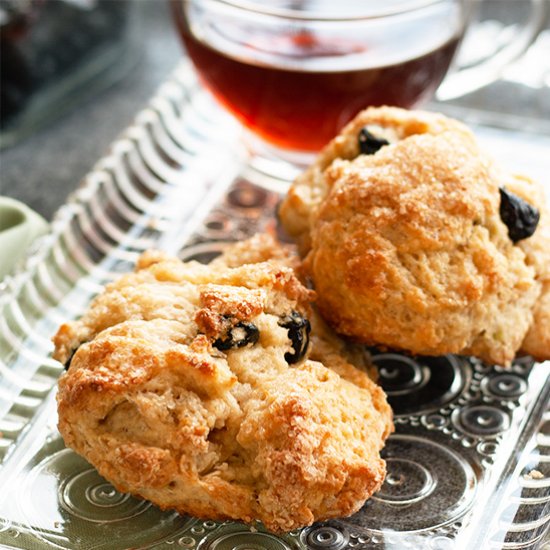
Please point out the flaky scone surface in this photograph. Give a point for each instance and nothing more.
(239, 433)
(406, 247)
(299, 207)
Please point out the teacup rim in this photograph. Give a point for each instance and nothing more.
(261, 8)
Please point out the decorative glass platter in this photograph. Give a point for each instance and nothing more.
(468, 466)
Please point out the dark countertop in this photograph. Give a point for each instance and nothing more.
(43, 169)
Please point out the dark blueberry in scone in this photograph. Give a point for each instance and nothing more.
(298, 331)
(369, 143)
(519, 216)
(238, 336)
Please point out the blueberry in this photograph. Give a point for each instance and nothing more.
(298, 331)
(369, 143)
(519, 216)
(238, 336)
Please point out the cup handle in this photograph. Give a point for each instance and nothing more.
(464, 80)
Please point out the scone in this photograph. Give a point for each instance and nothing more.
(401, 222)
(189, 385)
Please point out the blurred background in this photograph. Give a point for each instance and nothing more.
(140, 48)
(65, 99)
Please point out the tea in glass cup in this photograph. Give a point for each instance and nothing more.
(294, 72)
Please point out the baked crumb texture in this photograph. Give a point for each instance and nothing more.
(406, 247)
(162, 413)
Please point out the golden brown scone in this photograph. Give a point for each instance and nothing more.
(406, 247)
(188, 388)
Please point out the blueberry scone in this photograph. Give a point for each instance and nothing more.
(197, 387)
(415, 240)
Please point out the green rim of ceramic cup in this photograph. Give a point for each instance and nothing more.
(19, 227)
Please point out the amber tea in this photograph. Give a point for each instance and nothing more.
(297, 88)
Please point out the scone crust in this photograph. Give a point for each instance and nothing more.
(240, 434)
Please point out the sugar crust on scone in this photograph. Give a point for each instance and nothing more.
(163, 414)
(406, 247)
(310, 188)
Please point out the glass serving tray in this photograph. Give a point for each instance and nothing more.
(468, 466)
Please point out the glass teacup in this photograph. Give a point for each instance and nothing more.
(295, 72)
